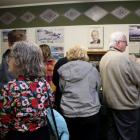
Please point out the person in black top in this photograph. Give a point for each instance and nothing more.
(55, 80)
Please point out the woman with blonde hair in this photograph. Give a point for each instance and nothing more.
(80, 105)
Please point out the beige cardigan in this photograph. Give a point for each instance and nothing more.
(120, 77)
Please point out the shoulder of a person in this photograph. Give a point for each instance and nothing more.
(5, 53)
(62, 61)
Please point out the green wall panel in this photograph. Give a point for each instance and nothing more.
(132, 18)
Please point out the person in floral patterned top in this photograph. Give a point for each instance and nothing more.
(24, 101)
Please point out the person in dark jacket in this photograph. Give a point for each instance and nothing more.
(13, 36)
(55, 80)
(4, 74)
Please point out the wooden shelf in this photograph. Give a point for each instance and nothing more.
(95, 55)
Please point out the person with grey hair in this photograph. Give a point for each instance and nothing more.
(79, 83)
(24, 101)
(120, 82)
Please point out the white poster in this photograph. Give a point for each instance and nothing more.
(50, 35)
(54, 37)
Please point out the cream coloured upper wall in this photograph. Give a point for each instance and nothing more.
(74, 35)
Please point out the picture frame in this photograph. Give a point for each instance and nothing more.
(50, 35)
(134, 33)
(95, 38)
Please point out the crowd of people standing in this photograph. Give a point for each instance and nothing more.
(30, 77)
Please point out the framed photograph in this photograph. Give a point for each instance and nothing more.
(57, 52)
(95, 38)
(134, 33)
(50, 35)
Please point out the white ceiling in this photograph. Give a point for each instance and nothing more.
(13, 3)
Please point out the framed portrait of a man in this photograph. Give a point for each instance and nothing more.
(95, 38)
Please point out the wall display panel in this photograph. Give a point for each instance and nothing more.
(77, 20)
(134, 33)
(54, 37)
(134, 39)
(61, 38)
(50, 35)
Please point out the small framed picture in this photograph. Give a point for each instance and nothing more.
(95, 38)
(134, 33)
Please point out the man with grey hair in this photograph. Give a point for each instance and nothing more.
(120, 81)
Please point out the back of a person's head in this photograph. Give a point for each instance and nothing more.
(28, 58)
(77, 53)
(116, 37)
(16, 35)
(46, 51)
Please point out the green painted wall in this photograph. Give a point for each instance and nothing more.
(132, 18)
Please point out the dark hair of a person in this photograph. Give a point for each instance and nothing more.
(16, 35)
(46, 51)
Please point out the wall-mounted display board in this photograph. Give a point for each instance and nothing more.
(134, 39)
(54, 37)
(61, 38)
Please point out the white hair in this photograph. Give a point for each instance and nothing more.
(115, 37)
(28, 57)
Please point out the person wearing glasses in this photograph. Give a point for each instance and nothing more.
(121, 84)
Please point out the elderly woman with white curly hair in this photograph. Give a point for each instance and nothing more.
(79, 82)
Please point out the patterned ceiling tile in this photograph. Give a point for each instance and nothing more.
(72, 14)
(7, 18)
(138, 12)
(96, 13)
(49, 15)
(120, 12)
(27, 17)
